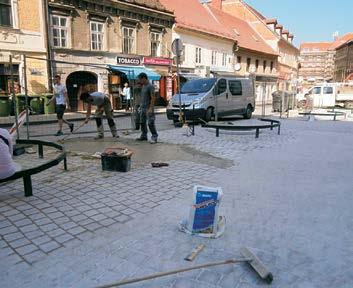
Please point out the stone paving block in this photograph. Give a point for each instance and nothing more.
(68, 225)
(23, 222)
(78, 217)
(64, 238)
(107, 222)
(34, 256)
(42, 221)
(23, 250)
(55, 215)
(85, 222)
(8, 230)
(31, 211)
(92, 226)
(10, 212)
(36, 216)
(49, 246)
(49, 210)
(76, 230)
(41, 240)
(16, 217)
(5, 223)
(28, 228)
(34, 234)
(49, 227)
(85, 235)
(61, 220)
(6, 251)
(72, 213)
(98, 217)
(90, 213)
(128, 211)
(122, 218)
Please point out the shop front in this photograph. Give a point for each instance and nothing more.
(127, 71)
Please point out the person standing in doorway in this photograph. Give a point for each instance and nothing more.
(127, 95)
(103, 104)
(147, 109)
(61, 102)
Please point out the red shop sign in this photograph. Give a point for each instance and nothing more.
(157, 61)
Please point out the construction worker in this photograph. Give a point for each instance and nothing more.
(103, 104)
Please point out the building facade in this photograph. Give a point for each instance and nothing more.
(275, 36)
(344, 62)
(316, 63)
(88, 37)
(22, 32)
(216, 43)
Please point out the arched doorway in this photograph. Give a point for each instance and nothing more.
(73, 83)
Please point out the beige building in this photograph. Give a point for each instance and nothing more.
(22, 32)
(343, 68)
(86, 37)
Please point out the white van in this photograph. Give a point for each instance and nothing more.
(322, 95)
(200, 98)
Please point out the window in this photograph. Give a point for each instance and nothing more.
(5, 13)
(222, 86)
(271, 66)
(214, 58)
(248, 62)
(328, 90)
(239, 59)
(155, 44)
(224, 59)
(128, 40)
(198, 55)
(257, 64)
(97, 36)
(59, 30)
(235, 87)
(316, 90)
(264, 66)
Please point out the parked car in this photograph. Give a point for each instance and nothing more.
(200, 98)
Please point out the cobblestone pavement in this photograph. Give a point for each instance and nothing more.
(282, 199)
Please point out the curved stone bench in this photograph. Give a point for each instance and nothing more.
(257, 128)
(27, 173)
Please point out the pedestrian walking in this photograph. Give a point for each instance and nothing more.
(147, 100)
(7, 166)
(127, 95)
(61, 102)
(103, 104)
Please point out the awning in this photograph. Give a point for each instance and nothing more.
(132, 72)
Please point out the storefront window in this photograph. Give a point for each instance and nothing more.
(5, 78)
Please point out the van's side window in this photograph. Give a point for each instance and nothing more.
(316, 90)
(222, 86)
(328, 90)
(235, 87)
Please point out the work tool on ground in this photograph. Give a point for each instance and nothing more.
(249, 257)
(194, 252)
(74, 131)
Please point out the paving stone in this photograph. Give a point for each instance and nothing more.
(90, 213)
(42, 221)
(107, 222)
(209, 277)
(5, 223)
(6, 251)
(93, 226)
(62, 220)
(23, 250)
(85, 235)
(36, 216)
(78, 217)
(122, 218)
(49, 246)
(23, 222)
(49, 227)
(64, 238)
(29, 228)
(85, 222)
(55, 232)
(8, 230)
(34, 256)
(34, 234)
(68, 225)
(98, 217)
(41, 240)
(16, 217)
(55, 215)
(76, 230)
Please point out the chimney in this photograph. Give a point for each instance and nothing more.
(285, 34)
(271, 23)
(279, 29)
(290, 38)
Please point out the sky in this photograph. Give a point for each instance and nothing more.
(309, 20)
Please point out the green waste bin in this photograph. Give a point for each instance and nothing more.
(51, 108)
(36, 103)
(20, 103)
(5, 105)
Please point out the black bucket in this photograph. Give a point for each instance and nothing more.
(116, 162)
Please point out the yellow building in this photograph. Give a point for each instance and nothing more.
(22, 32)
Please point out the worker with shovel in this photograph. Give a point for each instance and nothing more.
(103, 104)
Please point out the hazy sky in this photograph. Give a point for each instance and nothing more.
(309, 20)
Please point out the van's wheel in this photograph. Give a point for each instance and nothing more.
(248, 112)
(209, 114)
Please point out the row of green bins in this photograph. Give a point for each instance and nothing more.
(5, 106)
